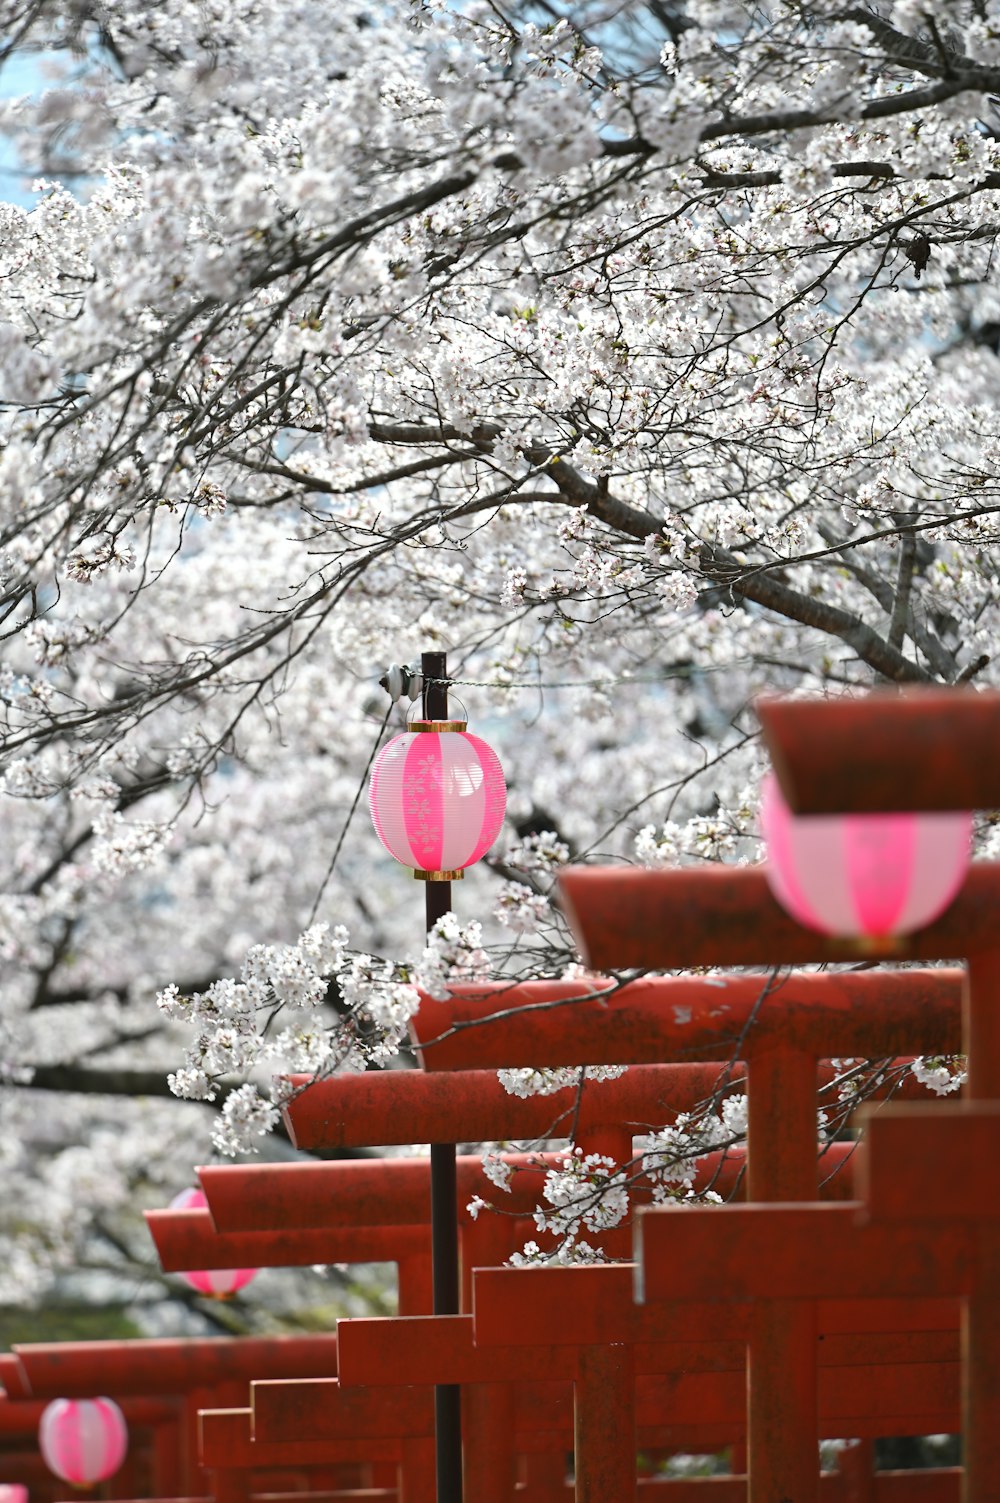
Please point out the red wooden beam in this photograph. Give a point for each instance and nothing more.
(298, 1413)
(595, 1305)
(931, 1164)
(226, 1442)
(939, 1485)
(12, 1379)
(320, 1409)
(811, 1251)
(440, 1349)
(188, 1239)
(81, 1368)
(352, 1192)
(405, 1106)
(21, 1416)
(920, 749)
(726, 916)
(429, 1349)
(864, 1014)
(304, 1195)
(313, 1495)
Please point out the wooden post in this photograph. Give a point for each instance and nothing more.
(444, 1200)
(981, 1328)
(782, 1405)
(604, 1425)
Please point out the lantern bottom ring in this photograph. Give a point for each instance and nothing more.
(422, 876)
(868, 946)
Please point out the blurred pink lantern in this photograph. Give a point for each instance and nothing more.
(13, 1492)
(220, 1283)
(873, 875)
(82, 1440)
(437, 798)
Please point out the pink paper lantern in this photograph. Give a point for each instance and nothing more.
(220, 1283)
(13, 1492)
(437, 798)
(855, 875)
(82, 1440)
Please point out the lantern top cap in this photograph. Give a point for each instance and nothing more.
(438, 725)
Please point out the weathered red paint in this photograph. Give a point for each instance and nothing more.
(604, 1424)
(782, 1394)
(320, 1413)
(21, 1416)
(930, 1160)
(313, 1495)
(440, 1348)
(726, 916)
(567, 1306)
(864, 1014)
(320, 1409)
(754, 1252)
(79, 1368)
(12, 1378)
(226, 1441)
(981, 1328)
(921, 749)
(937, 1486)
(351, 1193)
(188, 1239)
(403, 1106)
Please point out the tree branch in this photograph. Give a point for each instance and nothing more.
(899, 621)
(763, 588)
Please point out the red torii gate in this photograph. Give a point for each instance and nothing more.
(327, 1115)
(303, 1194)
(356, 1191)
(152, 1422)
(782, 1414)
(729, 917)
(923, 748)
(871, 1014)
(198, 1371)
(325, 1129)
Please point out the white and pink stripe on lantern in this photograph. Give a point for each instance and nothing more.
(82, 1440)
(863, 875)
(219, 1283)
(437, 798)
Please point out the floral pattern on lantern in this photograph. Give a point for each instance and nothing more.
(871, 875)
(219, 1283)
(83, 1440)
(438, 799)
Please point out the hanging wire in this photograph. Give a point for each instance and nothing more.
(607, 681)
(350, 814)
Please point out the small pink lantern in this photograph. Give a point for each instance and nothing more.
(13, 1492)
(872, 875)
(219, 1283)
(82, 1440)
(437, 798)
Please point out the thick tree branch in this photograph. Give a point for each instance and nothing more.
(941, 660)
(899, 623)
(763, 588)
(718, 565)
(92, 1080)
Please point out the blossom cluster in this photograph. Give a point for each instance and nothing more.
(235, 1022)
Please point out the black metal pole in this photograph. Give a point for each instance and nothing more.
(444, 1195)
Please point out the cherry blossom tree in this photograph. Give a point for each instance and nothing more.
(642, 354)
